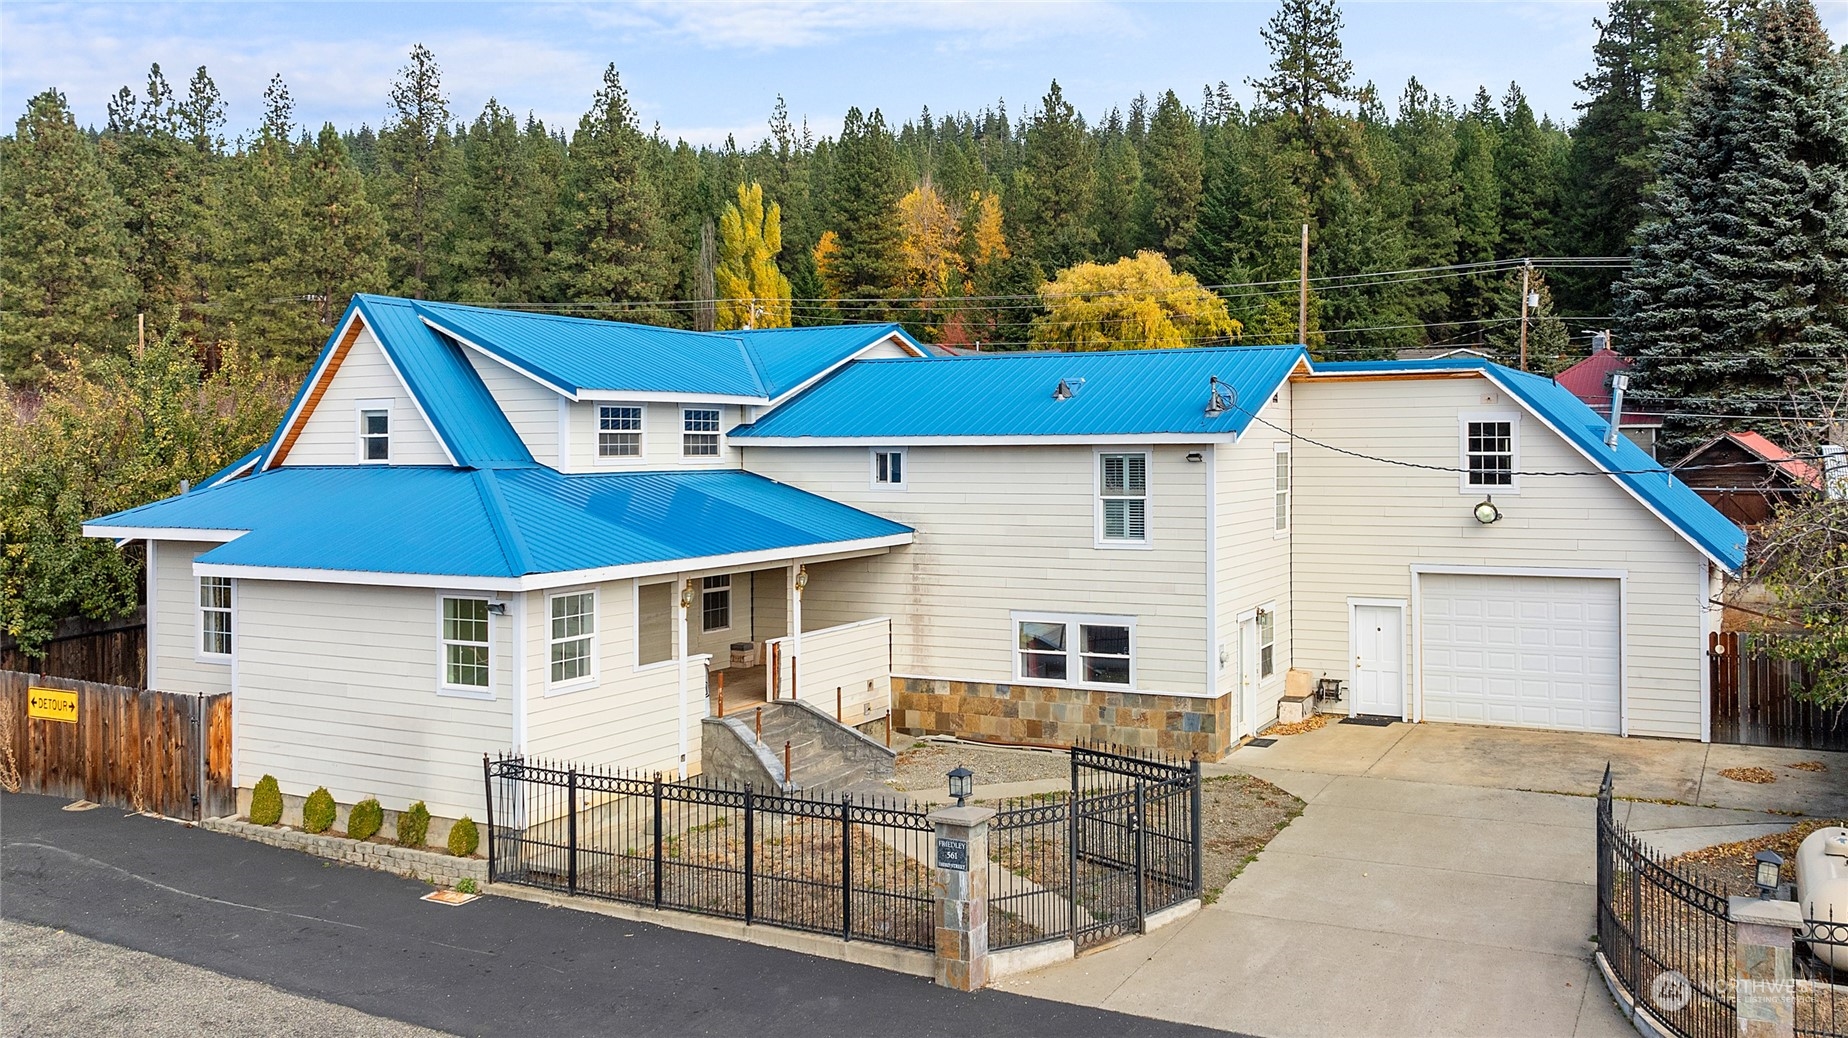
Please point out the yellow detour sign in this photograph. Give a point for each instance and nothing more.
(51, 704)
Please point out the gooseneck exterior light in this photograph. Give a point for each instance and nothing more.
(962, 784)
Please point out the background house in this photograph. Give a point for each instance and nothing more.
(1590, 381)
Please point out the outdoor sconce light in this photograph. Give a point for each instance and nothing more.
(1486, 512)
(686, 596)
(801, 577)
(1196, 457)
(1770, 871)
(962, 784)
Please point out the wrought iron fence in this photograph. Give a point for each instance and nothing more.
(1666, 935)
(1093, 863)
(849, 866)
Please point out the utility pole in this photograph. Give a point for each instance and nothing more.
(1302, 294)
(1527, 271)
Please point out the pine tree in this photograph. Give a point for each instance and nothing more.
(342, 246)
(1739, 294)
(1216, 254)
(267, 296)
(1549, 342)
(1055, 186)
(61, 272)
(201, 116)
(1114, 216)
(1478, 217)
(495, 250)
(1309, 76)
(613, 239)
(1173, 171)
(415, 152)
(752, 292)
(1526, 180)
(1426, 136)
(864, 188)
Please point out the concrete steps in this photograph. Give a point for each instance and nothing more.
(823, 754)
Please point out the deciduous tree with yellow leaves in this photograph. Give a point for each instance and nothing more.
(752, 292)
(1137, 303)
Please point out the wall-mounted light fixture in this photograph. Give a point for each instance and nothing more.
(801, 578)
(686, 595)
(1486, 512)
(1196, 457)
(497, 608)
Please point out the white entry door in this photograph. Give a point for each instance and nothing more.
(1248, 674)
(1378, 684)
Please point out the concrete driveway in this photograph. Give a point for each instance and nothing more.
(1427, 889)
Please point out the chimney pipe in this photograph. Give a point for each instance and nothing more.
(1619, 382)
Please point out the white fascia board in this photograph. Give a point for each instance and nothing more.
(299, 411)
(1596, 462)
(497, 358)
(233, 474)
(567, 578)
(1257, 416)
(905, 344)
(980, 441)
(161, 533)
(666, 397)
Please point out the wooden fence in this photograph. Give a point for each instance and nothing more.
(166, 752)
(111, 652)
(1755, 697)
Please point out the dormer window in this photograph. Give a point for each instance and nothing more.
(374, 433)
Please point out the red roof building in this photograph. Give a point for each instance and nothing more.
(1590, 381)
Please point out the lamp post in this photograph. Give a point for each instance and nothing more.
(962, 784)
(1768, 872)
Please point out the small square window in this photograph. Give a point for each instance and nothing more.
(889, 469)
(1489, 451)
(375, 435)
(619, 431)
(700, 432)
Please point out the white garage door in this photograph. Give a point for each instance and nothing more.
(1533, 652)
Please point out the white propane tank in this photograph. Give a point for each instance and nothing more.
(1822, 885)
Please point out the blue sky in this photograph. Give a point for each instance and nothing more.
(702, 70)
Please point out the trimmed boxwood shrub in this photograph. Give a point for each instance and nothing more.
(318, 811)
(364, 820)
(266, 802)
(413, 825)
(463, 837)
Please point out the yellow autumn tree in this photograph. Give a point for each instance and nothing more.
(927, 245)
(827, 251)
(986, 241)
(1134, 303)
(752, 292)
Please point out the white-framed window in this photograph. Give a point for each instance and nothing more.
(619, 430)
(1055, 649)
(1489, 453)
(466, 663)
(215, 617)
(888, 471)
(715, 603)
(1122, 498)
(1280, 487)
(374, 432)
(572, 637)
(699, 436)
(1267, 641)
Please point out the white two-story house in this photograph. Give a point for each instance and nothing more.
(478, 530)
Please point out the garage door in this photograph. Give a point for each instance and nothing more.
(1533, 652)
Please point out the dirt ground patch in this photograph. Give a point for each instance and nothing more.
(925, 765)
(1728, 867)
(1239, 815)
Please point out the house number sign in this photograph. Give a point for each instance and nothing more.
(953, 855)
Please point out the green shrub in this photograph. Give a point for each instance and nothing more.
(464, 837)
(266, 802)
(466, 885)
(413, 825)
(364, 820)
(318, 812)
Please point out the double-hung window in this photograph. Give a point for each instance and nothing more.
(573, 637)
(1267, 642)
(715, 603)
(1491, 453)
(619, 430)
(215, 616)
(1075, 650)
(1122, 498)
(374, 434)
(699, 432)
(1280, 487)
(465, 644)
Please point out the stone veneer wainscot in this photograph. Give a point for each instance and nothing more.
(1043, 715)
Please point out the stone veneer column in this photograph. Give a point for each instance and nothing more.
(960, 883)
(1764, 984)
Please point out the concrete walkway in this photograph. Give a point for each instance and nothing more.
(1424, 891)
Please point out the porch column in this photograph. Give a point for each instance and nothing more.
(798, 578)
(680, 626)
(960, 885)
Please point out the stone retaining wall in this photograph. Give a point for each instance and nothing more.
(1045, 716)
(441, 869)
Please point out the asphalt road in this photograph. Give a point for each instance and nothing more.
(362, 939)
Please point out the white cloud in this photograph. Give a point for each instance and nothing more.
(784, 24)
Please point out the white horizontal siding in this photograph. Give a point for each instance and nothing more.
(531, 409)
(337, 687)
(1253, 561)
(1003, 529)
(1360, 526)
(330, 436)
(174, 623)
(662, 427)
(848, 668)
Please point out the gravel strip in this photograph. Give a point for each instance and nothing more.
(925, 765)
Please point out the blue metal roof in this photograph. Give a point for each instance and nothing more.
(1673, 500)
(501, 523)
(578, 355)
(1122, 393)
(233, 470)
